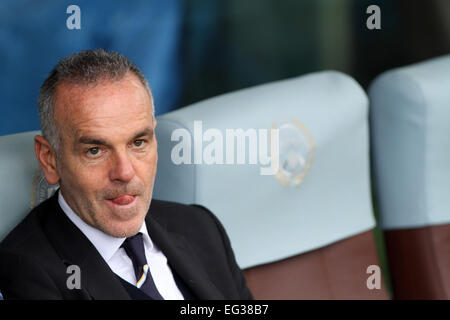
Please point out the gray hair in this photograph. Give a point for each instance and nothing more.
(86, 68)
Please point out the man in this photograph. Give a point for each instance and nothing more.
(97, 120)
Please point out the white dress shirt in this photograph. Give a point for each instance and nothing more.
(110, 249)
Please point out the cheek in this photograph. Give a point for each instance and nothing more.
(80, 178)
(154, 162)
(89, 180)
(147, 167)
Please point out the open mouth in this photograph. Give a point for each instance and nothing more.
(123, 200)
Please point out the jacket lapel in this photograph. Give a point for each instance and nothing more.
(183, 260)
(75, 249)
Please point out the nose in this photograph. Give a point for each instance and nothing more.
(122, 169)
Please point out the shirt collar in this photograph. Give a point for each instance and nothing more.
(105, 244)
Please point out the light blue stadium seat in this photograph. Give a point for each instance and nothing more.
(410, 112)
(23, 185)
(410, 130)
(319, 198)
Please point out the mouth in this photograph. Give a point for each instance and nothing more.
(123, 201)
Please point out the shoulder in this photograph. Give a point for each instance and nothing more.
(167, 212)
(27, 231)
(195, 222)
(207, 237)
(28, 238)
(28, 260)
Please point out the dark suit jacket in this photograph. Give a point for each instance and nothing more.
(34, 257)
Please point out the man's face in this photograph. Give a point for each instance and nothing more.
(108, 154)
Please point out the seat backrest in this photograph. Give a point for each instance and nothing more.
(410, 130)
(23, 185)
(320, 195)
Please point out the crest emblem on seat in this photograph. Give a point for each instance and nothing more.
(297, 149)
(41, 190)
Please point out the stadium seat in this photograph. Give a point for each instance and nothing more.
(23, 184)
(410, 131)
(305, 232)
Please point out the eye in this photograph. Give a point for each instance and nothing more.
(139, 143)
(93, 152)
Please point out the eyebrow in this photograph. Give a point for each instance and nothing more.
(143, 133)
(97, 141)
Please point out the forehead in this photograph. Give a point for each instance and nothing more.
(106, 108)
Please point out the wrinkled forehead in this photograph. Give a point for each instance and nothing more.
(104, 106)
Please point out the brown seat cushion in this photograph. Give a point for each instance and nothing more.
(419, 262)
(337, 271)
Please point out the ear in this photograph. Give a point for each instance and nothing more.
(47, 159)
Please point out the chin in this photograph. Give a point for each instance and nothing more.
(123, 231)
(122, 228)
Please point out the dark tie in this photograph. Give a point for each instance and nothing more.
(134, 247)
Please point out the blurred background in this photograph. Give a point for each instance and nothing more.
(195, 49)
(191, 50)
